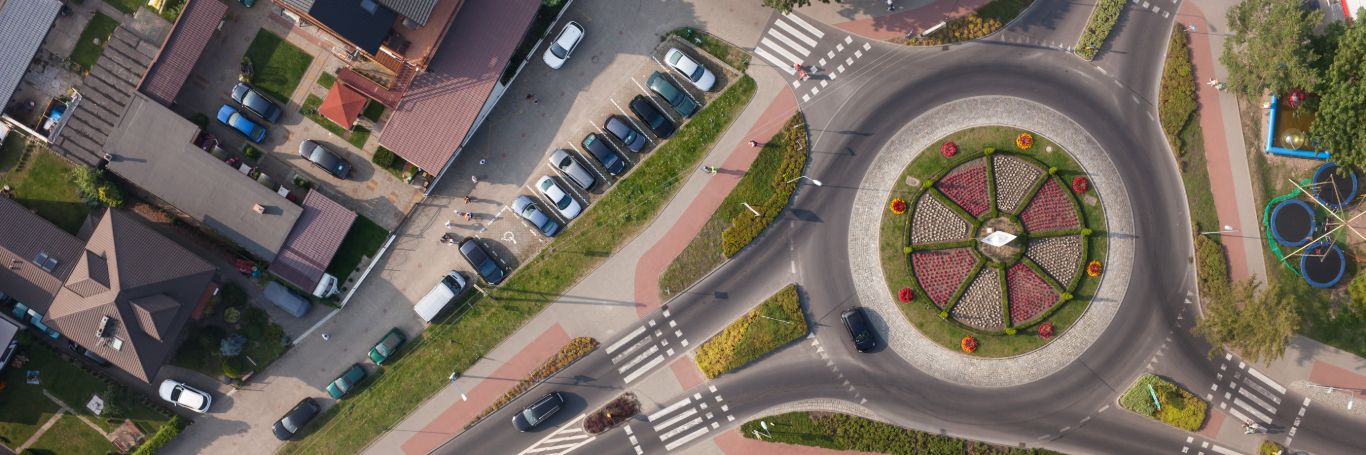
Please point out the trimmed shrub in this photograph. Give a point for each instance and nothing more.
(383, 157)
(1098, 28)
(1177, 101)
(252, 152)
(163, 436)
(612, 414)
(775, 322)
(745, 227)
(232, 367)
(1180, 408)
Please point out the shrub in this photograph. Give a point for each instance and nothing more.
(109, 195)
(1270, 448)
(232, 315)
(1211, 267)
(964, 28)
(93, 186)
(1009, 331)
(752, 336)
(232, 345)
(232, 367)
(1177, 101)
(383, 157)
(1357, 289)
(745, 227)
(251, 152)
(1180, 408)
(574, 350)
(611, 414)
(117, 401)
(163, 436)
(1098, 27)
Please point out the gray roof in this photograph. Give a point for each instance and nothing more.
(152, 149)
(415, 10)
(23, 25)
(105, 94)
(313, 242)
(26, 236)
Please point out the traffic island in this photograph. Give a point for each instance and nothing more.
(1156, 397)
(777, 321)
(846, 432)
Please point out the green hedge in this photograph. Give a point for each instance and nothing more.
(752, 335)
(745, 226)
(1177, 101)
(1180, 408)
(846, 432)
(163, 436)
(1098, 28)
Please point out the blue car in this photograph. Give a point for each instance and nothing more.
(255, 102)
(228, 115)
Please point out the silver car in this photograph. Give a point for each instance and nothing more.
(185, 396)
(558, 197)
(527, 209)
(559, 51)
(564, 161)
(690, 69)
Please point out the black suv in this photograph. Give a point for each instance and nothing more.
(857, 322)
(540, 411)
(598, 148)
(652, 117)
(481, 261)
(295, 419)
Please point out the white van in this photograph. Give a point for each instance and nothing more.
(327, 287)
(441, 295)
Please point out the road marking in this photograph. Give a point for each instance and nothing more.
(630, 336)
(803, 24)
(867, 46)
(806, 98)
(1221, 449)
(569, 428)
(774, 60)
(848, 39)
(849, 61)
(643, 369)
(788, 41)
(830, 54)
(686, 439)
(678, 418)
(839, 48)
(669, 409)
(1266, 379)
(1249, 408)
(794, 32)
(638, 358)
(791, 59)
(1257, 400)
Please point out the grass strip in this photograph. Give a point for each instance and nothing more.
(570, 353)
(717, 47)
(326, 79)
(985, 21)
(127, 6)
(1180, 408)
(358, 136)
(775, 322)
(763, 181)
(278, 65)
(1098, 27)
(91, 43)
(459, 342)
(846, 432)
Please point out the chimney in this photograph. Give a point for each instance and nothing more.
(259, 209)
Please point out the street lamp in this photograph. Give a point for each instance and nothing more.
(1226, 230)
(751, 208)
(813, 181)
(1351, 395)
(456, 375)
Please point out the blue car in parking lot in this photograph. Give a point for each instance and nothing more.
(228, 115)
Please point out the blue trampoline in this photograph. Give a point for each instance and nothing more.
(1323, 264)
(1293, 223)
(1335, 187)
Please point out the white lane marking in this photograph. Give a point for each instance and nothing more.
(568, 427)
(678, 418)
(1257, 400)
(806, 98)
(622, 342)
(1221, 449)
(794, 32)
(712, 388)
(669, 409)
(804, 51)
(774, 60)
(848, 39)
(1266, 379)
(849, 61)
(638, 358)
(686, 439)
(791, 59)
(645, 368)
(867, 46)
(1249, 408)
(808, 27)
(858, 54)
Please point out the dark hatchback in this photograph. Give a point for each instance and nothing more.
(617, 126)
(540, 411)
(676, 97)
(295, 419)
(481, 261)
(856, 320)
(324, 159)
(599, 150)
(652, 117)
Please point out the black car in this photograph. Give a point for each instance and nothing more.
(295, 419)
(599, 150)
(481, 261)
(652, 117)
(255, 102)
(619, 128)
(324, 159)
(857, 322)
(540, 411)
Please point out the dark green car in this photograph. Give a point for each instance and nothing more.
(387, 346)
(346, 381)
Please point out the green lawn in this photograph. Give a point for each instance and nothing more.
(457, 344)
(394, 166)
(760, 183)
(846, 432)
(326, 79)
(127, 6)
(358, 136)
(12, 151)
(71, 436)
(364, 238)
(310, 109)
(718, 48)
(1180, 408)
(23, 408)
(44, 185)
(87, 50)
(373, 111)
(171, 11)
(896, 264)
(777, 321)
(279, 65)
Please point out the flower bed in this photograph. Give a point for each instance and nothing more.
(1029, 294)
(967, 187)
(612, 414)
(940, 272)
(1049, 210)
(897, 205)
(1060, 257)
(934, 222)
(980, 306)
(1024, 141)
(1014, 178)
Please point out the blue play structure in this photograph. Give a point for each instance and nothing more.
(1323, 264)
(1292, 223)
(1334, 187)
(1271, 138)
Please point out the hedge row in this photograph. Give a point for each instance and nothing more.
(777, 321)
(574, 350)
(1180, 408)
(745, 226)
(163, 436)
(1098, 28)
(1177, 101)
(846, 432)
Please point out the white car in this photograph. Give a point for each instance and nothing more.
(185, 396)
(691, 70)
(563, 202)
(564, 45)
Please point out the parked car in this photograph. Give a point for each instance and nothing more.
(602, 152)
(347, 381)
(294, 304)
(482, 262)
(255, 102)
(540, 411)
(564, 161)
(558, 197)
(182, 395)
(325, 159)
(856, 321)
(678, 99)
(559, 51)
(655, 120)
(526, 208)
(228, 115)
(451, 285)
(691, 69)
(295, 419)
(621, 129)
(387, 346)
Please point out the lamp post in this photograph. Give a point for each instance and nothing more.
(1226, 230)
(813, 181)
(454, 376)
(751, 208)
(1351, 395)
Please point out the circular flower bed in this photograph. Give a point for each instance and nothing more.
(948, 149)
(1024, 141)
(1080, 184)
(905, 295)
(898, 206)
(1093, 269)
(969, 344)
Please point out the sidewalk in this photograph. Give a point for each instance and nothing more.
(1224, 148)
(1309, 362)
(909, 17)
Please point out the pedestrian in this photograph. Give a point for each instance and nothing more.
(753, 143)
(889, 6)
(1212, 82)
(467, 199)
(483, 161)
(450, 224)
(475, 179)
(530, 96)
(326, 337)
(468, 216)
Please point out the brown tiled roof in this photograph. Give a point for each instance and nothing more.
(439, 108)
(342, 105)
(26, 235)
(154, 286)
(182, 48)
(313, 242)
(387, 96)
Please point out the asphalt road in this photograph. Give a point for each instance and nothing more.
(1072, 410)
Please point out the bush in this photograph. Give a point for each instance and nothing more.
(383, 158)
(1180, 408)
(846, 432)
(964, 28)
(117, 401)
(1212, 268)
(611, 414)
(251, 152)
(232, 367)
(1177, 101)
(745, 226)
(163, 436)
(1098, 28)
(1270, 448)
(1357, 289)
(232, 315)
(93, 186)
(752, 336)
(571, 352)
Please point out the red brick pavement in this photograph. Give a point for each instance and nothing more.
(898, 24)
(1216, 421)
(1216, 144)
(685, 369)
(1333, 375)
(454, 418)
(653, 262)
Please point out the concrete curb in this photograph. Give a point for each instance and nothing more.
(864, 255)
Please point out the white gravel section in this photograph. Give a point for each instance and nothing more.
(869, 208)
(1059, 256)
(934, 222)
(980, 305)
(1014, 177)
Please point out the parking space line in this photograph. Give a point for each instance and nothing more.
(590, 166)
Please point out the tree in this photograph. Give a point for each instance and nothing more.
(1269, 47)
(1258, 329)
(786, 6)
(1338, 123)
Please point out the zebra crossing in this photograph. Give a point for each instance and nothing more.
(563, 440)
(791, 41)
(1247, 394)
(690, 418)
(646, 347)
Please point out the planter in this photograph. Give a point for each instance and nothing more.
(612, 414)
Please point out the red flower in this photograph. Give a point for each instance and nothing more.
(948, 149)
(969, 344)
(906, 295)
(1046, 330)
(1024, 141)
(898, 206)
(1094, 268)
(1080, 184)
